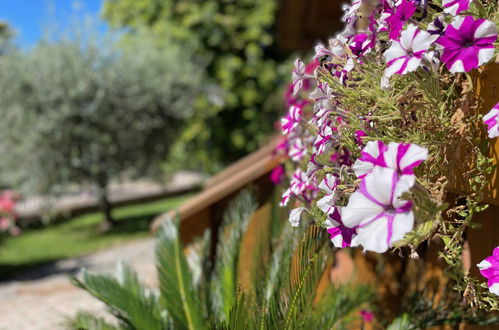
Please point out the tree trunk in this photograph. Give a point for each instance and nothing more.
(106, 208)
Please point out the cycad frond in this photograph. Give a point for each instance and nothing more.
(178, 295)
(133, 305)
(88, 321)
(224, 280)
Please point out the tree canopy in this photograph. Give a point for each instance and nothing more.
(76, 111)
(238, 38)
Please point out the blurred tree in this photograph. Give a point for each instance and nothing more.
(6, 35)
(79, 111)
(238, 37)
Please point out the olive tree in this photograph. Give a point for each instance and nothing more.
(79, 111)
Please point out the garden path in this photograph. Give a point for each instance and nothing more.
(43, 297)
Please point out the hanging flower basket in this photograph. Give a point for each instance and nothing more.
(386, 132)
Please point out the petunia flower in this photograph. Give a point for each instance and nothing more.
(491, 119)
(277, 174)
(405, 55)
(489, 268)
(381, 216)
(298, 75)
(341, 235)
(399, 16)
(297, 150)
(295, 216)
(361, 44)
(324, 137)
(290, 122)
(467, 43)
(328, 185)
(402, 157)
(454, 7)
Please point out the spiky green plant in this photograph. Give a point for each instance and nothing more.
(196, 294)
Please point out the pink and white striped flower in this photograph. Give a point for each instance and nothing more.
(402, 157)
(298, 75)
(405, 55)
(489, 268)
(378, 212)
(341, 235)
(324, 138)
(328, 185)
(454, 7)
(291, 121)
(297, 150)
(491, 119)
(361, 44)
(467, 43)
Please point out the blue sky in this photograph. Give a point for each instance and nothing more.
(29, 17)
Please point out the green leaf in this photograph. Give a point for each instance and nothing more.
(127, 299)
(224, 282)
(175, 280)
(88, 321)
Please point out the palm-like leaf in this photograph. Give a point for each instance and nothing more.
(134, 305)
(87, 321)
(224, 281)
(178, 295)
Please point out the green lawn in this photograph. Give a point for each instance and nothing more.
(78, 236)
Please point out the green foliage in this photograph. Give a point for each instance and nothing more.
(79, 110)
(85, 320)
(134, 305)
(283, 297)
(238, 39)
(224, 280)
(175, 280)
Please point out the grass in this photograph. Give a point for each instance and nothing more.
(78, 236)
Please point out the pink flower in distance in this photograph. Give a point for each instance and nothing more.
(405, 55)
(277, 174)
(491, 119)
(399, 16)
(467, 43)
(366, 315)
(454, 7)
(489, 268)
(378, 212)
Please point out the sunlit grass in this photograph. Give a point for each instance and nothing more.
(78, 236)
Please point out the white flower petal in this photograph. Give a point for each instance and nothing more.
(494, 288)
(404, 184)
(379, 184)
(361, 167)
(485, 55)
(412, 65)
(394, 52)
(457, 66)
(394, 67)
(373, 237)
(295, 216)
(486, 29)
(326, 203)
(484, 265)
(402, 224)
(359, 209)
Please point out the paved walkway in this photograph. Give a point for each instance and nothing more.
(43, 297)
